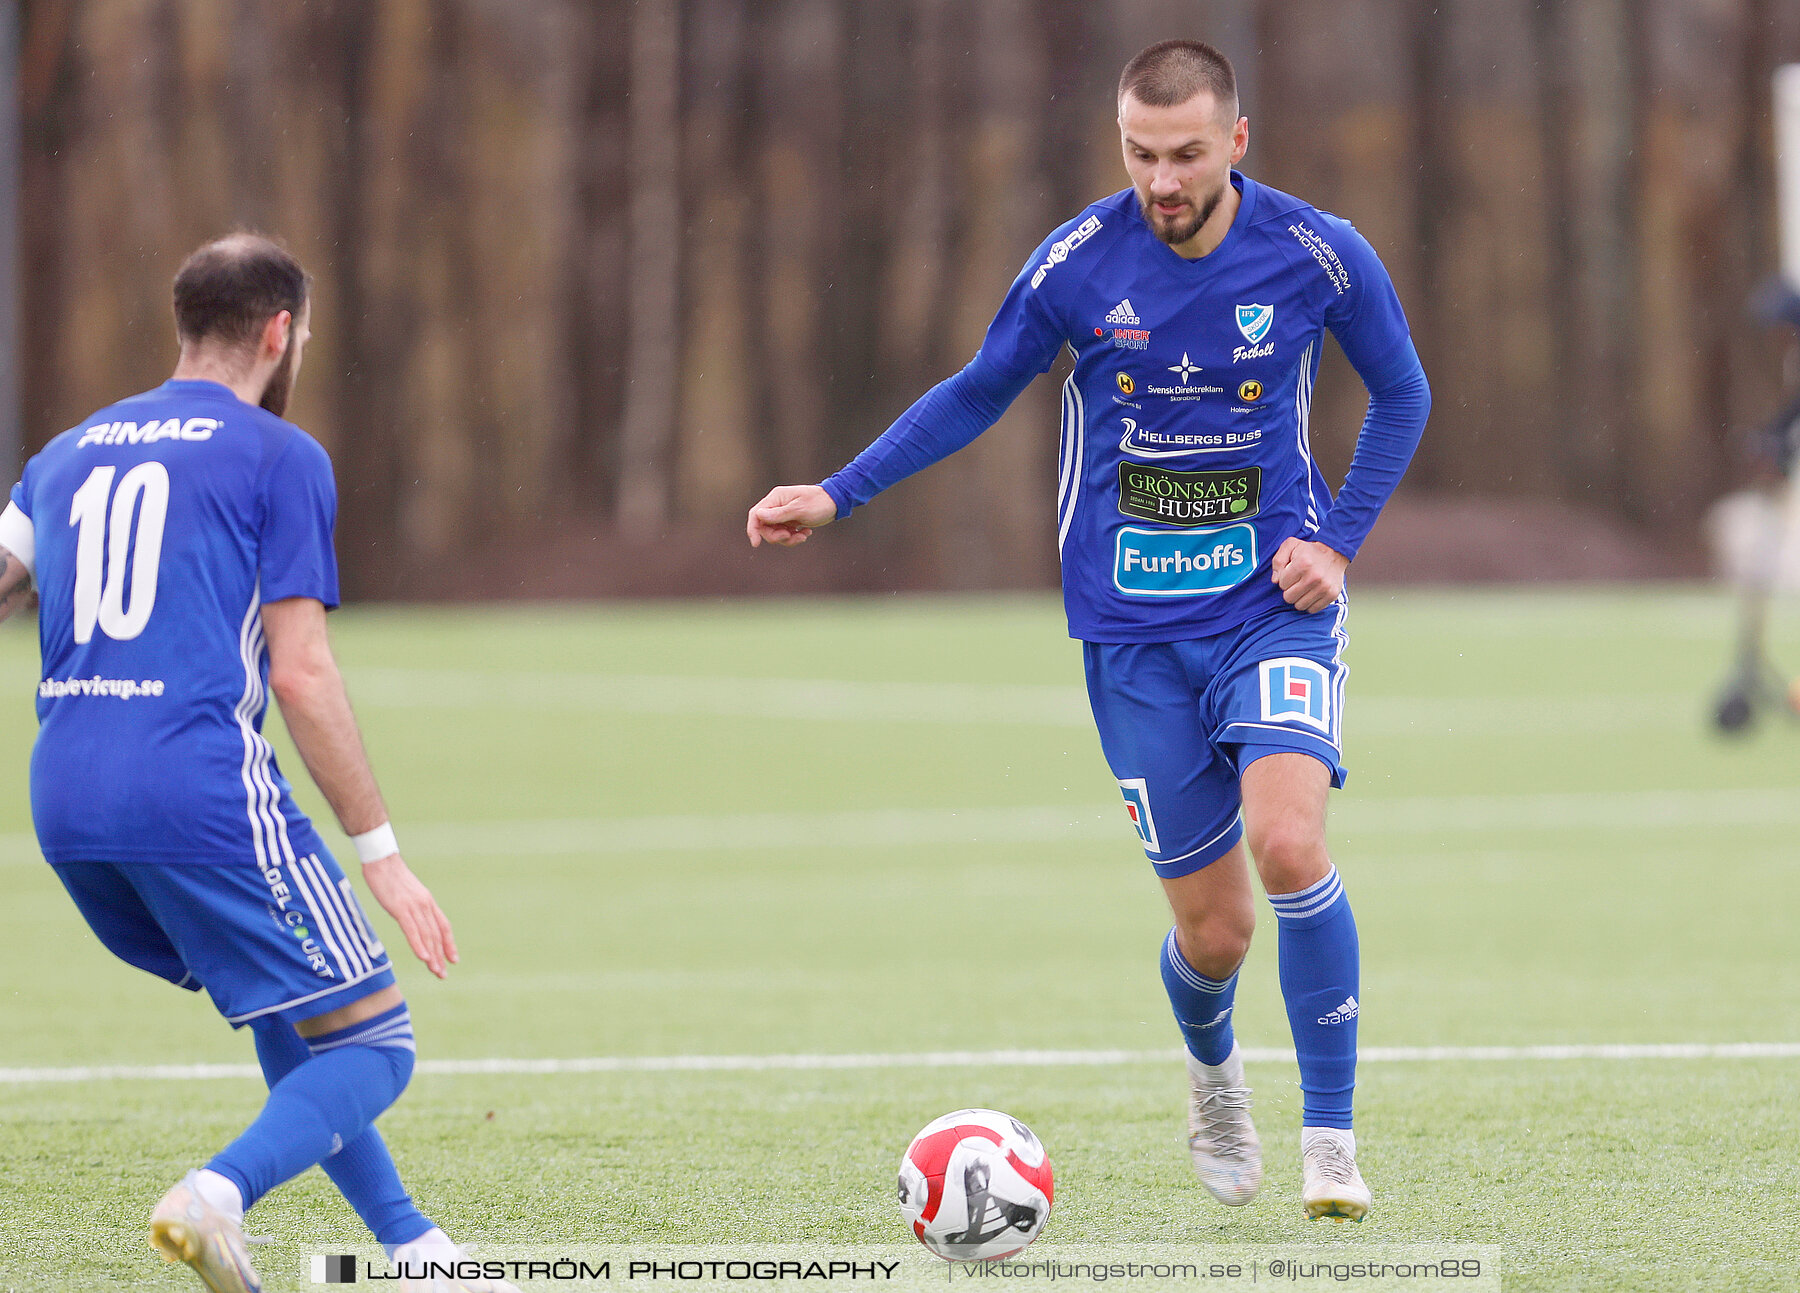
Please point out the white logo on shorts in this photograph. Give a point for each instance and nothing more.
(1295, 690)
(1137, 807)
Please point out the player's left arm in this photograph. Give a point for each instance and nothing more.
(1369, 323)
(298, 579)
(17, 550)
(303, 675)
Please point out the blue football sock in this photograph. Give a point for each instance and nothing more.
(322, 1104)
(1202, 1006)
(1320, 977)
(362, 1170)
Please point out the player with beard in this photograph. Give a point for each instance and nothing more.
(1203, 561)
(181, 545)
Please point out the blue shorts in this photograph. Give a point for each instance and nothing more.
(289, 941)
(1179, 722)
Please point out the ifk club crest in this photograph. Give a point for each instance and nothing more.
(1296, 689)
(1254, 321)
(1137, 807)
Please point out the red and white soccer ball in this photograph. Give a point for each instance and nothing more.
(976, 1186)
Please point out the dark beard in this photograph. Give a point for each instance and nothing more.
(1176, 234)
(281, 383)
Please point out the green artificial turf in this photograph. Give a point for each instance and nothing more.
(883, 827)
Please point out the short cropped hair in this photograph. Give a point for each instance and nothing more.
(230, 288)
(1173, 71)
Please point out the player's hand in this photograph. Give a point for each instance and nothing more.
(788, 514)
(413, 908)
(1310, 575)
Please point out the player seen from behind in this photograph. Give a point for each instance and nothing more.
(181, 544)
(1203, 560)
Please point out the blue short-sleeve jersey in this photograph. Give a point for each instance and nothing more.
(161, 526)
(1184, 459)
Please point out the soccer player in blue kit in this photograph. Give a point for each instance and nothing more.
(1203, 561)
(181, 545)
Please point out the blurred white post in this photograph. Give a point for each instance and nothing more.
(1787, 169)
(11, 445)
(648, 427)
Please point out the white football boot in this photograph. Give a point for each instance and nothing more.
(186, 1228)
(1221, 1138)
(1332, 1187)
(435, 1246)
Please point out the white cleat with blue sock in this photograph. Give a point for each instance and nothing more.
(1222, 1140)
(432, 1264)
(187, 1226)
(1332, 1187)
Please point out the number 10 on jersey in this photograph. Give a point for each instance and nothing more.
(143, 495)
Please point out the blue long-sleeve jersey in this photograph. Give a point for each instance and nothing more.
(1184, 458)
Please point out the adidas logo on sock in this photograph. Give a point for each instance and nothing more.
(1214, 1022)
(1123, 313)
(1343, 1014)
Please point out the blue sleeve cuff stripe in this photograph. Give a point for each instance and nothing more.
(836, 492)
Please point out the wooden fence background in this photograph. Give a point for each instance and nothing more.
(593, 274)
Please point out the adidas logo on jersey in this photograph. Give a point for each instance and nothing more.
(1343, 1014)
(1122, 313)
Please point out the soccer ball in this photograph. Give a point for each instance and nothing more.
(975, 1186)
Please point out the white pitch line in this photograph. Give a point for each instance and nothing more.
(1573, 809)
(781, 833)
(930, 1059)
(1038, 704)
(723, 697)
(774, 833)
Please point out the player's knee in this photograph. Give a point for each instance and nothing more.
(399, 1048)
(1289, 850)
(387, 1035)
(1215, 943)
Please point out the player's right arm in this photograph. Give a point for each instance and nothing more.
(17, 549)
(945, 418)
(788, 514)
(15, 583)
(304, 677)
(1021, 342)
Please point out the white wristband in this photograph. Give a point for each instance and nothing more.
(372, 846)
